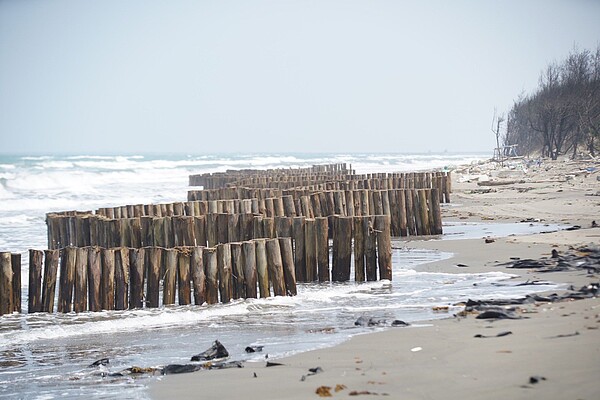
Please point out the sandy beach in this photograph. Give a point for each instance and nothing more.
(551, 352)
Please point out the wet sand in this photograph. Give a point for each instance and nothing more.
(557, 344)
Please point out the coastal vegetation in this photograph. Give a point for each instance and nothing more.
(562, 115)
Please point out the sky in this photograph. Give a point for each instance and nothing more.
(198, 77)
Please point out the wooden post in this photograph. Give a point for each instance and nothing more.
(262, 268)
(269, 228)
(278, 207)
(198, 275)
(384, 246)
(287, 258)
(67, 279)
(370, 250)
(121, 278)
(50, 272)
(94, 278)
(342, 248)
(436, 212)
(322, 244)
(246, 227)
(424, 211)
(155, 255)
(310, 246)
(299, 252)
(257, 227)
(81, 280)
(15, 259)
(222, 228)
(212, 274)
(224, 267)
(211, 230)
(410, 214)
(289, 207)
(360, 226)
(283, 226)
(275, 266)
(364, 202)
(183, 277)
(136, 263)
(6, 284)
(249, 251)
(233, 227)
(170, 278)
(200, 230)
(237, 266)
(34, 303)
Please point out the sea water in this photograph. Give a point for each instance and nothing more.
(46, 356)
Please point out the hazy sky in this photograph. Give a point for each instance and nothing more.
(282, 76)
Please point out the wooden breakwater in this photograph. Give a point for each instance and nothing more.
(206, 223)
(94, 278)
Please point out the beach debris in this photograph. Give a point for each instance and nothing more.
(581, 258)
(501, 334)
(322, 330)
(255, 376)
(357, 393)
(324, 391)
(254, 349)
(100, 362)
(440, 308)
(273, 364)
(595, 224)
(564, 335)
(536, 379)
(314, 371)
(339, 387)
(135, 370)
(489, 240)
(216, 351)
(462, 265)
(497, 314)
(367, 321)
(415, 349)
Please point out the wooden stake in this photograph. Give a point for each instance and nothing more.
(224, 267)
(155, 255)
(322, 244)
(275, 266)
(212, 275)
(183, 277)
(81, 280)
(137, 268)
(49, 286)
(6, 285)
(287, 258)
(249, 251)
(170, 277)
(262, 268)
(384, 246)
(34, 303)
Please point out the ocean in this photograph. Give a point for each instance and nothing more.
(46, 356)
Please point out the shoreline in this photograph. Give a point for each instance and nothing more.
(559, 342)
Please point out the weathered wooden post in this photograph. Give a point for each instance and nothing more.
(360, 226)
(287, 258)
(121, 278)
(170, 278)
(183, 276)
(384, 246)
(262, 268)
(50, 272)
(155, 255)
(283, 226)
(16, 281)
(322, 244)
(310, 246)
(94, 278)
(81, 280)
(200, 230)
(342, 248)
(249, 257)
(370, 250)
(299, 251)
(6, 284)
(237, 266)
(34, 302)
(212, 275)
(67, 279)
(137, 268)
(436, 212)
(198, 276)
(275, 266)
(224, 267)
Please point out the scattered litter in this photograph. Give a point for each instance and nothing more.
(415, 349)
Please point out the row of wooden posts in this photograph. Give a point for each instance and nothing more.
(328, 172)
(93, 278)
(412, 212)
(387, 181)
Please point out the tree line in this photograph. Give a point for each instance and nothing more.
(562, 116)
